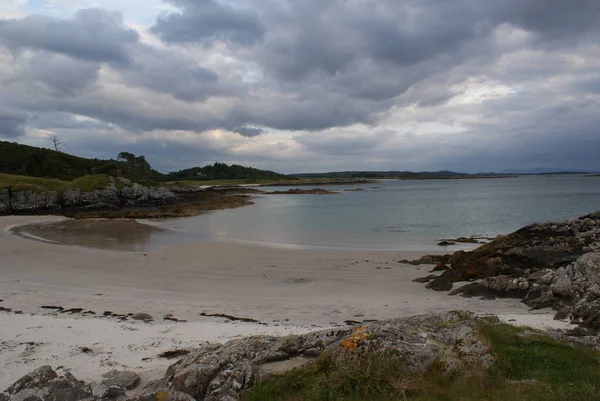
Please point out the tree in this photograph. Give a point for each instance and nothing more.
(57, 142)
(126, 157)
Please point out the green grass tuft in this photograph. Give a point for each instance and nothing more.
(529, 366)
(24, 183)
(44, 185)
(89, 183)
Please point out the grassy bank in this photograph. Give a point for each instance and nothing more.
(41, 185)
(529, 366)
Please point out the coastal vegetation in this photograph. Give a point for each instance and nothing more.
(222, 171)
(24, 160)
(44, 185)
(528, 365)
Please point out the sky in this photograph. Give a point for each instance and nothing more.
(307, 86)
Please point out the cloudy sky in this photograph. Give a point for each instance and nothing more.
(305, 86)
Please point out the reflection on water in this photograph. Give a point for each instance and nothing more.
(122, 235)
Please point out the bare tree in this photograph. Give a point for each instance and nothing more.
(57, 142)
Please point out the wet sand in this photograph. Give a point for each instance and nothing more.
(285, 287)
(122, 235)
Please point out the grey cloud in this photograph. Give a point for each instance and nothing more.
(12, 125)
(64, 121)
(551, 18)
(169, 72)
(92, 35)
(249, 131)
(63, 75)
(344, 143)
(205, 21)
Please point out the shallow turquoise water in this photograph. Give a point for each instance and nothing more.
(397, 214)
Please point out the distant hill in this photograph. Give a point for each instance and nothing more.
(24, 160)
(407, 175)
(542, 171)
(221, 171)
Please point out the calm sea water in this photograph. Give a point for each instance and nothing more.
(395, 214)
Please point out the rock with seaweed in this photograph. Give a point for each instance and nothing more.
(553, 265)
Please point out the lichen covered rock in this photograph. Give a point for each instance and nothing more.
(223, 372)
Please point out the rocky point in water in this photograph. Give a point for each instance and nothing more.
(553, 265)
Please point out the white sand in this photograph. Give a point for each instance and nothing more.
(276, 286)
(28, 342)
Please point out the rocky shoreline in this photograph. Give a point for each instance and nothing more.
(554, 265)
(125, 199)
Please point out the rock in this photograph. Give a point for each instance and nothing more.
(43, 384)
(494, 262)
(474, 290)
(544, 276)
(109, 198)
(104, 392)
(223, 372)
(586, 272)
(446, 243)
(561, 283)
(298, 191)
(425, 260)
(142, 316)
(127, 380)
(508, 286)
(425, 279)
(440, 283)
(563, 314)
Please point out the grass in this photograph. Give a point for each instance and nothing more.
(89, 183)
(23, 183)
(529, 366)
(42, 185)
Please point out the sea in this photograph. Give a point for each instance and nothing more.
(392, 214)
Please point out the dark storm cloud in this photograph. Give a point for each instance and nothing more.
(550, 18)
(12, 125)
(92, 34)
(249, 131)
(204, 21)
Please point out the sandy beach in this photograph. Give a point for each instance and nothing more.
(288, 291)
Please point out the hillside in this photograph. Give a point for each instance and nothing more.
(32, 161)
(24, 160)
(221, 171)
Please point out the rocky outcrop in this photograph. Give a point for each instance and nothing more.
(112, 197)
(298, 191)
(44, 384)
(222, 372)
(553, 265)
